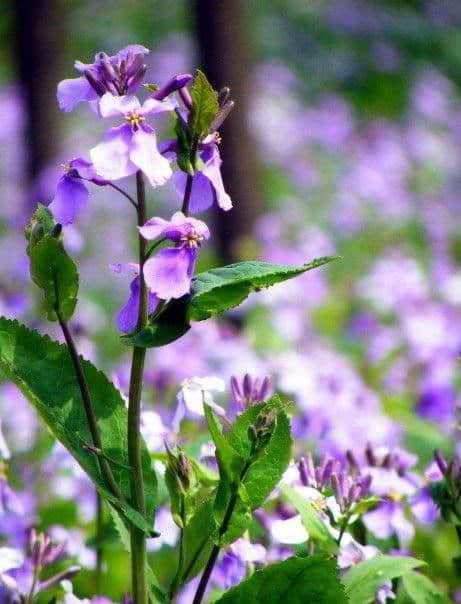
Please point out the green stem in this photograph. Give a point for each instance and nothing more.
(106, 470)
(187, 192)
(99, 534)
(222, 531)
(138, 539)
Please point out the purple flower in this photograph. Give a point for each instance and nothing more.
(127, 317)
(207, 184)
(71, 193)
(133, 146)
(168, 274)
(118, 75)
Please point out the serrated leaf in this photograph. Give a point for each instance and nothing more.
(422, 590)
(311, 520)
(364, 505)
(293, 581)
(163, 329)
(364, 579)
(220, 289)
(184, 151)
(204, 106)
(56, 274)
(42, 370)
(266, 471)
(40, 224)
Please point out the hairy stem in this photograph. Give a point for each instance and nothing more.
(138, 539)
(106, 470)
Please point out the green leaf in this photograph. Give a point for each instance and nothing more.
(56, 274)
(41, 223)
(422, 590)
(266, 471)
(311, 520)
(220, 289)
(364, 505)
(204, 106)
(293, 581)
(42, 370)
(229, 461)
(184, 147)
(163, 329)
(365, 578)
(198, 538)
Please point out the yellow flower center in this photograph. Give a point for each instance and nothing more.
(192, 239)
(134, 119)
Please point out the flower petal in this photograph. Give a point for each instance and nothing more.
(202, 192)
(111, 158)
(118, 105)
(154, 106)
(73, 91)
(169, 273)
(127, 318)
(145, 155)
(154, 227)
(212, 171)
(70, 197)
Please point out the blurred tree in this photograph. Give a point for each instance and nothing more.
(225, 52)
(39, 38)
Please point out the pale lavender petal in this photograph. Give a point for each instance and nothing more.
(212, 170)
(202, 193)
(145, 155)
(118, 105)
(125, 267)
(111, 158)
(154, 227)
(131, 49)
(70, 197)
(73, 91)
(169, 273)
(155, 106)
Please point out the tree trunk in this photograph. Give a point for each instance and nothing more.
(225, 54)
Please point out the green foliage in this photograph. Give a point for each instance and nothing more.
(266, 471)
(162, 329)
(296, 580)
(184, 152)
(311, 520)
(214, 292)
(229, 461)
(422, 590)
(56, 274)
(50, 266)
(42, 370)
(198, 538)
(364, 579)
(204, 106)
(220, 289)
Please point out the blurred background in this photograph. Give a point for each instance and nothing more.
(346, 138)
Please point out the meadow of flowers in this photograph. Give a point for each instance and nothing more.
(294, 425)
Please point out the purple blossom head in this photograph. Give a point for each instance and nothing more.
(132, 146)
(71, 193)
(168, 274)
(249, 390)
(117, 75)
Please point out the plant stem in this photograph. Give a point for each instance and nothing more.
(106, 470)
(177, 578)
(125, 194)
(187, 192)
(99, 552)
(222, 531)
(138, 539)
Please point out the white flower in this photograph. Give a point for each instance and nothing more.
(194, 393)
(290, 531)
(9, 559)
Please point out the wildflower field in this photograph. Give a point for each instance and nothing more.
(230, 311)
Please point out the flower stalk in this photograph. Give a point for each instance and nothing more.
(138, 539)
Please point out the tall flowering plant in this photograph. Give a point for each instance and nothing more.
(213, 507)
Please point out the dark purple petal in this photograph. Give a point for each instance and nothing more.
(127, 318)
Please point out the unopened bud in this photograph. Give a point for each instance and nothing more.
(441, 462)
(56, 230)
(172, 85)
(97, 86)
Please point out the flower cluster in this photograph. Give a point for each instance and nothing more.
(130, 148)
